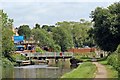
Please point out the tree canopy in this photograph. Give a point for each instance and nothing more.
(44, 38)
(63, 38)
(37, 26)
(25, 31)
(107, 26)
(7, 33)
(78, 31)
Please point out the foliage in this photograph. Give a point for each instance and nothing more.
(48, 28)
(79, 32)
(17, 56)
(84, 56)
(38, 49)
(25, 31)
(57, 48)
(106, 27)
(85, 70)
(111, 72)
(7, 43)
(7, 68)
(63, 38)
(113, 59)
(37, 26)
(44, 38)
(112, 64)
(82, 36)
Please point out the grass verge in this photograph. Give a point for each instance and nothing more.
(112, 73)
(85, 70)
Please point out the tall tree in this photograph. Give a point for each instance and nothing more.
(37, 26)
(63, 38)
(48, 28)
(78, 31)
(107, 27)
(7, 24)
(44, 38)
(25, 31)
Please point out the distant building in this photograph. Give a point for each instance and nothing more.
(15, 31)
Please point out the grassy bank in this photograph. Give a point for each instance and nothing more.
(112, 73)
(85, 70)
(86, 57)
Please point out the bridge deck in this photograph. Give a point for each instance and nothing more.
(50, 55)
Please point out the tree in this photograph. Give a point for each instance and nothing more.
(80, 34)
(63, 38)
(107, 27)
(25, 31)
(48, 28)
(37, 26)
(44, 38)
(7, 42)
(78, 31)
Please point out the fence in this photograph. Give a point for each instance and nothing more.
(49, 54)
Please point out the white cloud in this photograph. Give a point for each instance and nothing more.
(49, 12)
(59, 0)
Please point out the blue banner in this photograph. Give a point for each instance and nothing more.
(18, 39)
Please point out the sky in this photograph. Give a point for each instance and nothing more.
(48, 12)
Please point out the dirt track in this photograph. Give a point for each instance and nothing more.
(101, 71)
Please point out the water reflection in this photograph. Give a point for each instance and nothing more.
(52, 70)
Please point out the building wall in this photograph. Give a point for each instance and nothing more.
(82, 50)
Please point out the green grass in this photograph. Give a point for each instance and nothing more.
(86, 57)
(83, 58)
(112, 73)
(85, 70)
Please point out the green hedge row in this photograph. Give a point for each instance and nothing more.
(114, 60)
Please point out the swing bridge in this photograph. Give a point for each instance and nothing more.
(43, 57)
(49, 55)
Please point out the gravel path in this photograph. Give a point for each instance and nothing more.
(101, 71)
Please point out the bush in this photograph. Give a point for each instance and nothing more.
(7, 68)
(17, 56)
(38, 49)
(113, 59)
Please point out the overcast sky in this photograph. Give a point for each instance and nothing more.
(45, 12)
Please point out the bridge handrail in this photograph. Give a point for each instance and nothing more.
(49, 54)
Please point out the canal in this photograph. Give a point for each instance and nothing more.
(52, 70)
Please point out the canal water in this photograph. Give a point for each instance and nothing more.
(52, 70)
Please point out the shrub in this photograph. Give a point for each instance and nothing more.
(18, 56)
(38, 49)
(7, 68)
(113, 59)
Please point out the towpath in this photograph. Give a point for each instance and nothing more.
(101, 71)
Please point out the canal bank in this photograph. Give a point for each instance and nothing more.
(84, 70)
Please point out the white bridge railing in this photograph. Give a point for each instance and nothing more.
(49, 54)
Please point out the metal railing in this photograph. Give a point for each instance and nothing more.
(49, 54)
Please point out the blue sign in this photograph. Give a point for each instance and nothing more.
(18, 39)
